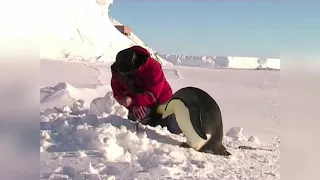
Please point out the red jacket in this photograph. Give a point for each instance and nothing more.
(150, 77)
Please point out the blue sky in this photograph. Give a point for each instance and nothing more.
(212, 27)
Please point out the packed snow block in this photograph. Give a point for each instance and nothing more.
(236, 133)
(254, 139)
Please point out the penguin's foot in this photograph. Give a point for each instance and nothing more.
(215, 150)
(223, 153)
(226, 153)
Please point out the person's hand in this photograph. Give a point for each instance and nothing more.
(126, 101)
(140, 112)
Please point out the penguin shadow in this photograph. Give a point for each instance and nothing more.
(131, 126)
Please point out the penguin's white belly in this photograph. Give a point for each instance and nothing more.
(184, 122)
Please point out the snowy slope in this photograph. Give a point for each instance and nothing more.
(84, 133)
(81, 30)
(223, 61)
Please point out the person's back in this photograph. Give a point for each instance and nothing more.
(139, 84)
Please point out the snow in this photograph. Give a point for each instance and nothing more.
(85, 134)
(236, 133)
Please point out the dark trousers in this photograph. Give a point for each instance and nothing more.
(154, 119)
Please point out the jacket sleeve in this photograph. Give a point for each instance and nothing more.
(117, 89)
(154, 80)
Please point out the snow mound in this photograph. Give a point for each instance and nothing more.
(82, 30)
(107, 105)
(65, 94)
(107, 144)
(237, 133)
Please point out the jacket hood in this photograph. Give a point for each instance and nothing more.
(140, 50)
(130, 59)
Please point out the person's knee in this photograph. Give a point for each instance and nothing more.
(172, 125)
(176, 130)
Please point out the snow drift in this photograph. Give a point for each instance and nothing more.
(65, 94)
(87, 145)
(82, 30)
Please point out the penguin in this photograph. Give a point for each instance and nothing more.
(199, 118)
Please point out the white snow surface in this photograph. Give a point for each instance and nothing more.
(85, 134)
(84, 131)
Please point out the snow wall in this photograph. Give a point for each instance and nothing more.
(223, 61)
(253, 63)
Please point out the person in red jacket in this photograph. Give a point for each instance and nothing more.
(138, 83)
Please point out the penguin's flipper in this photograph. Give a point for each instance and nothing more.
(196, 121)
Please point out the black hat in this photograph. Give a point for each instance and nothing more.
(126, 60)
